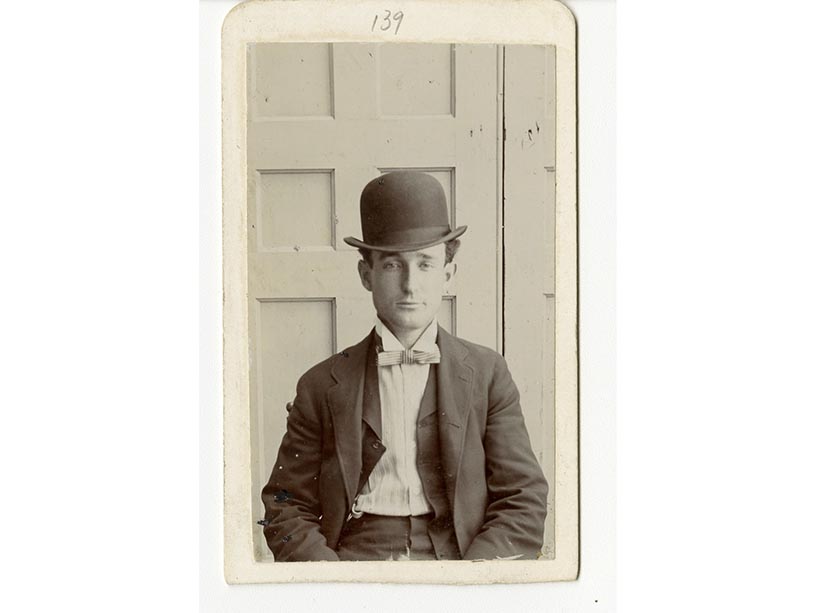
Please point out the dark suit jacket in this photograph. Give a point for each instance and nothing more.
(495, 487)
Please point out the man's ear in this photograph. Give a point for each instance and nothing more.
(365, 272)
(450, 269)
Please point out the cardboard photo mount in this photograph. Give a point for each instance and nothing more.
(525, 22)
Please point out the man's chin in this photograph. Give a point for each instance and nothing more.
(410, 324)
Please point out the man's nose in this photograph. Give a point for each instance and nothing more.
(410, 279)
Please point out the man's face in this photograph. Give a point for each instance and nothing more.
(407, 287)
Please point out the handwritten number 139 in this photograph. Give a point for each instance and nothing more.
(388, 21)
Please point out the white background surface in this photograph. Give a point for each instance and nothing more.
(597, 574)
(715, 302)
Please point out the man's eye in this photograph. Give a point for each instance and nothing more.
(391, 265)
(427, 265)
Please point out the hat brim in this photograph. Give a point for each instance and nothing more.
(354, 242)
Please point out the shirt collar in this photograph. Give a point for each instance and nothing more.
(426, 342)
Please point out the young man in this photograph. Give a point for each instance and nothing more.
(410, 444)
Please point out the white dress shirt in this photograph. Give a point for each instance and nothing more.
(394, 486)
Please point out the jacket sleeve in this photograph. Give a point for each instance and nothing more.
(291, 500)
(517, 490)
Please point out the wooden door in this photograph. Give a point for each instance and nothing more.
(323, 120)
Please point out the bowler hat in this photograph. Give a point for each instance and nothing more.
(404, 211)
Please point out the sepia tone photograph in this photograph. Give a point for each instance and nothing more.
(397, 268)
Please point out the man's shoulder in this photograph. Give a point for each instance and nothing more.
(476, 352)
(321, 373)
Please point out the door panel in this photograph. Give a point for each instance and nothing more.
(307, 71)
(285, 197)
(416, 79)
(281, 327)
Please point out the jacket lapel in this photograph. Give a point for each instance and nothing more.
(371, 446)
(346, 403)
(371, 397)
(454, 394)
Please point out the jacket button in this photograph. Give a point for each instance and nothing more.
(376, 445)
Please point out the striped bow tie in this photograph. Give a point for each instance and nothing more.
(409, 356)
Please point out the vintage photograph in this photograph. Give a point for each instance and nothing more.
(396, 268)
